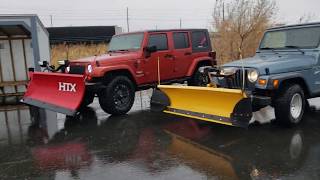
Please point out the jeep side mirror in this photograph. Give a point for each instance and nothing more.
(63, 62)
(43, 63)
(151, 49)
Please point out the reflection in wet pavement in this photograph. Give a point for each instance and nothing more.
(147, 145)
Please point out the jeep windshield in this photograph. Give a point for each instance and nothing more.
(126, 42)
(300, 38)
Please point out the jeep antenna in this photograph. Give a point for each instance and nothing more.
(243, 71)
(158, 70)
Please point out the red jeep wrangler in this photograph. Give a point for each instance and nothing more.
(135, 61)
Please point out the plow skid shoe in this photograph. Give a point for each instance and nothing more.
(224, 106)
(57, 92)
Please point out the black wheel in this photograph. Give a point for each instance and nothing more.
(198, 79)
(118, 96)
(290, 105)
(87, 99)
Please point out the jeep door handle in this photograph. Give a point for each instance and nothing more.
(169, 56)
(187, 53)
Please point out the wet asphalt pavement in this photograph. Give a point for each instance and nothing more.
(147, 145)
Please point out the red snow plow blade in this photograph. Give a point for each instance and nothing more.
(57, 92)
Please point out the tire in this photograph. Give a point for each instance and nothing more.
(87, 99)
(296, 146)
(290, 105)
(198, 79)
(118, 96)
(257, 108)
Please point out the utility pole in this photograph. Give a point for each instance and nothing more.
(223, 11)
(128, 19)
(180, 23)
(51, 22)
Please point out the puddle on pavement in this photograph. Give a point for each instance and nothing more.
(147, 145)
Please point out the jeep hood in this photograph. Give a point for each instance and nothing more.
(276, 63)
(109, 58)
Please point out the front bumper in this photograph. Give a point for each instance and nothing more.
(261, 101)
(94, 87)
(235, 81)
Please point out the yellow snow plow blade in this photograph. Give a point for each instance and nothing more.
(225, 106)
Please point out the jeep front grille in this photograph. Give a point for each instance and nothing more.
(235, 81)
(77, 69)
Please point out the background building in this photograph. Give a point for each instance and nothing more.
(82, 34)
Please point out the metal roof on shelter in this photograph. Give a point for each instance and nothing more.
(13, 30)
(16, 27)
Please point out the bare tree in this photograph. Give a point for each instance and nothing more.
(239, 25)
(306, 18)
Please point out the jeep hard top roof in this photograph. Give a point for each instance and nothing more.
(166, 30)
(163, 30)
(294, 26)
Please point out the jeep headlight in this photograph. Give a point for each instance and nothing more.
(89, 68)
(68, 69)
(227, 71)
(253, 75)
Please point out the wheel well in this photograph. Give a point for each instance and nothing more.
(202, 63)
(111, 74)
(299, 81)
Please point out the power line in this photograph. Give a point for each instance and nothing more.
(122, 18)
(105, 11)
(169, 18)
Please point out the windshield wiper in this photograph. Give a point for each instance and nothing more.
(119, 50)
(295, 47)
(269, 48)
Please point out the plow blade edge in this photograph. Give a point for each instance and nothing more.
(224, 106)
(57, 92)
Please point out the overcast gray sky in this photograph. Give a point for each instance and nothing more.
(143, 14)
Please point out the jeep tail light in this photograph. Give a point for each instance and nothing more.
(213, 54)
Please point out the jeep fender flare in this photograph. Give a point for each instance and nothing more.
(291, 77)
(102, 71)
(196, 62)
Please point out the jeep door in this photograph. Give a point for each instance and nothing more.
(164, 53)
(316, 78)
(182, 52)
